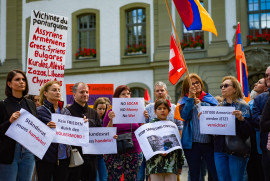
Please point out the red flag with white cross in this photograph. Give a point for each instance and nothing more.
(176, 65)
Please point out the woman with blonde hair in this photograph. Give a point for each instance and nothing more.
(231, 165)
(54, 165)
(195, 144)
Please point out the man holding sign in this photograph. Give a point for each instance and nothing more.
(79, 108)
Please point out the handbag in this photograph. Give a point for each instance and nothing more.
(234, 145)
(124, 142)
(75, 158)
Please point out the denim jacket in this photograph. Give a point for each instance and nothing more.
(189, 113)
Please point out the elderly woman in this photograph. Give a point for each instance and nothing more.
(229, 165)
(127, 163)
(16, 162)
(54, 165)
(195, 144)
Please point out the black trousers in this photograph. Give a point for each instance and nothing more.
(85, 172)
(47, 171)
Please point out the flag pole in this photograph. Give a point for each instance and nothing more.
(177, 39)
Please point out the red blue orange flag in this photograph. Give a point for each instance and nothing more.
(176, 65)
(194, 16)
(241, 64)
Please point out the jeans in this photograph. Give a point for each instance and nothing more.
(141, 173)
(22, 167)
(102, 174)
(230, 167)
(194, 156)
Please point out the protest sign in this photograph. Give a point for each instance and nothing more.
(159, 137)
(128, 110)
(70, 130)
(217, 120)
(46, 49)
(95, 91)
(31, 133)
(101, 141)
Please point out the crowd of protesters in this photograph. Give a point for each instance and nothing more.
(252, 124)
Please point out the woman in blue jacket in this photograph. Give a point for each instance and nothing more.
(54, 165)
(195, 144)
(231, 166)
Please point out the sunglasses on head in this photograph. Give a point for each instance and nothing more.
(224, 85)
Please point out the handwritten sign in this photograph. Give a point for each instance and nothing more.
(31, 133)
(128, 110)
(158, 137)
(70, 130)
(46, 49)
(217, 120)
(101, 141)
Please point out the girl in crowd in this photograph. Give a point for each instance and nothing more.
(34, 98)
(126, 163)
(229, 166)
(163, 167)
(195, 144)
(101, 108)
(54, 164)
(16, 162)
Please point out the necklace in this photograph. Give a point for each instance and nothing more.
(19, 102)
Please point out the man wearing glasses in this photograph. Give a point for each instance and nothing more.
(259, 103)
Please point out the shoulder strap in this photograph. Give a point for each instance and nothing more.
(47, 109)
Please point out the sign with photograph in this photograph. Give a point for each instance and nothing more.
(159, 137)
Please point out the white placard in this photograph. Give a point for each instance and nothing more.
(31, 133)
(217, 120)
(70, 130)
(46, 49)
(128, 110)
(159, 137)
(101, 141)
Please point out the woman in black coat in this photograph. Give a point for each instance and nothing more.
(16, 162)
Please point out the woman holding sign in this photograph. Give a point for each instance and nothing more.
(195, 144)
(231, 164)
(16, 162)
(129, 162)
(54, 164)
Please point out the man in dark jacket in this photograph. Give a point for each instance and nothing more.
(87, 171)
(259, 103)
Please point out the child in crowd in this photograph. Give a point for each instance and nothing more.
(164, 167)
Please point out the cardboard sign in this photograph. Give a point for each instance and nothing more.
(46, 49)
(31, 133)
(217, 120)
(70, 130)
(128, 110)
(101, 141)
(159, 137)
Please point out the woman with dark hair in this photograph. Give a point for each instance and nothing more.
(54, 165)
(34, 98)
(125, 163)
(196, 145)
(16, 162)
(229, 165)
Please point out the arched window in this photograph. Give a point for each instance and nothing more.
(137, 92)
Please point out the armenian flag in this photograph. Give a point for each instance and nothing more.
(194, 16)
(241, 64)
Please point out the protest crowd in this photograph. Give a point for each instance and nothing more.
(244, 156)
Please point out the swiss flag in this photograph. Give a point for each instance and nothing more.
(176, 66)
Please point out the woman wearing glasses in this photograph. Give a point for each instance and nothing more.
(195, 144)
(228, 165)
